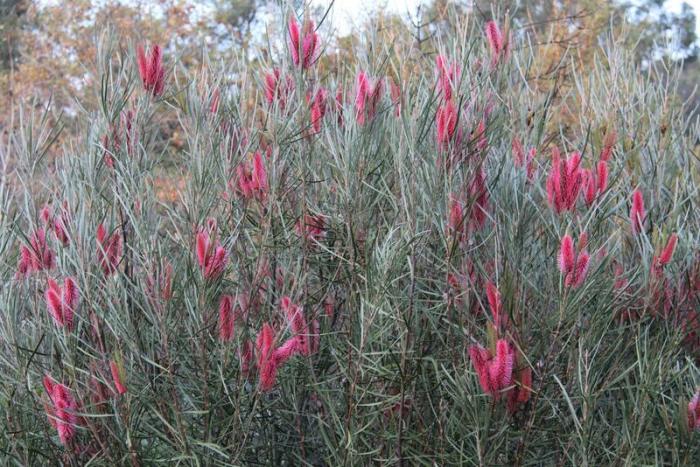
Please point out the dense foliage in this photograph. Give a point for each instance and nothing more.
(439, 257)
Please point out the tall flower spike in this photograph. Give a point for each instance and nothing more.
(212, 257)
(446, 122)
(267, 367)
(637, 212)
(573, 265)
(37, 256)
(564, 181)
(151, 69)
(298, 324)
(252, 179)
(227, 318)
(367, 97)
(62, 409)
(62, 301)
(666, 254)
(303, 44)
(496, 42)
(495, 371)
(447, 75)
(318, 109)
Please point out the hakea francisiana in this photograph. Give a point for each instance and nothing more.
(564, 181)
(446, 123)
(109, 250)
(495, 370)
(498, 44)
(57, 223)
(245, 356)
(37, 256)
(447, 76)
(278, 88)
(251, 181)
(269, 358)
(637, 212)
(62, 302)
(595, 183)
(212, 257)
(307, 337)
(318, 108)
(572, 264)
(367, 97)
(304, 43)
(61, 409)
(118, 376)
(694, 412)
(311, 227)
(151, 69)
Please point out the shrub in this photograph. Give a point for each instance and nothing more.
(376, 263)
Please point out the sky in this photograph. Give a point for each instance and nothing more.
(346, 13)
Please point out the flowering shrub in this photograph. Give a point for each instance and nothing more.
(348, 276)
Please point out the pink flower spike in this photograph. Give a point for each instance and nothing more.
(446, 122)
(62, 409)
(62, 302)
(447, 75)
(667, 253)
(226, 318)
(495, 371)
(303, 48)
(566, 254)
(267, 367)
(495, 41)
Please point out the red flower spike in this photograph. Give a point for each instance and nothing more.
(151, 69)
(227, 318)
(495, 371)
(637, 212)
(62, 409)
(267, 367)
(303, 44)
(367, 97)
(446, 122)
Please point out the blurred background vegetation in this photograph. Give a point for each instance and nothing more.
(48, 47)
